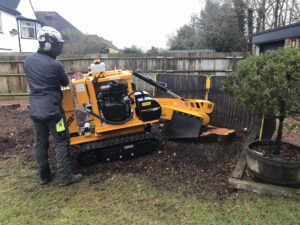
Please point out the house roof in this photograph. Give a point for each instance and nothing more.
(54, 19)
(10, 6)
(102, 40)
(277, 34)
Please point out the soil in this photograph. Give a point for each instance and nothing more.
(288, 152)
(194, 166)
(200, 166)
(197, 165)
(16, 132)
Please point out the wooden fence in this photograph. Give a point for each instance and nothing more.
(183, 72)
(12, 82)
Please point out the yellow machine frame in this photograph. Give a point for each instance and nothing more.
(83, 90)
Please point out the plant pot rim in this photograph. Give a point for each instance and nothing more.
(255, 154)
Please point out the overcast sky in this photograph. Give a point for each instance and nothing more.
(143, 23)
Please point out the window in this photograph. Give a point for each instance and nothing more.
(28, 30)
(1, 29)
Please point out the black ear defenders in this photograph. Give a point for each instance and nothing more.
(48, 42)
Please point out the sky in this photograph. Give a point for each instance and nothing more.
(143, 23)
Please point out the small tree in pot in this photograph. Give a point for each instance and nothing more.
(269, 84)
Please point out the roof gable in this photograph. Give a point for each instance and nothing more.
(53, 19)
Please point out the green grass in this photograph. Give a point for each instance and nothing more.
(127, 199)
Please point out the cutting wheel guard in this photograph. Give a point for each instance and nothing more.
(182, 126)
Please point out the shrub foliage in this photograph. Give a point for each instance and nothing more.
(269, 84)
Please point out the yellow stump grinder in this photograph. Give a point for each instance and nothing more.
(119, 118)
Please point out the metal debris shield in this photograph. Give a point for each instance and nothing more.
(182, 126)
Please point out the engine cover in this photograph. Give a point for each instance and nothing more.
(114, 104)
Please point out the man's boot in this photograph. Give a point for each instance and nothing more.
(73, 179)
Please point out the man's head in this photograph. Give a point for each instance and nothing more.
(50, 41)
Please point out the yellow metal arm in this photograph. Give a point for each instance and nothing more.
(193, 107)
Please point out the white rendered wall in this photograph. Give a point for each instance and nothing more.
(29, 45)
(8, 42)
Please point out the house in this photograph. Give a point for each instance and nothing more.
(281, 37)
(18, 26)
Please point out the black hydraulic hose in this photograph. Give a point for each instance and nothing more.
(149, 81)
(156, 84)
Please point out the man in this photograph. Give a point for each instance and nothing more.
(45, 77)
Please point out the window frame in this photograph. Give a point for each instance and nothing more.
(22, 25)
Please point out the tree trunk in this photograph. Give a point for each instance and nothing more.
(263, 26)
(280, 129)
(276, 14)
(250, 25)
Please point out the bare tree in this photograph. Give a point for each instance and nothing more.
(274, 13)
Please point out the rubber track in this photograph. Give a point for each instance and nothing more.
(127, 139)
(112, 148)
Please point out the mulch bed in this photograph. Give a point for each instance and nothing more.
(196, 165)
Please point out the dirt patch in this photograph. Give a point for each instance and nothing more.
(16, 131)
(195, 165)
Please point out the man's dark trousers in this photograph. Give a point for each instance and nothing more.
(61, 139)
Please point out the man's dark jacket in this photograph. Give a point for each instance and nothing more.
(45, 77)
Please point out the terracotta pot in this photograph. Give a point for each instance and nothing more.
(271, 170)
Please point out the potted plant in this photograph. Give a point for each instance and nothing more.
(270, 85)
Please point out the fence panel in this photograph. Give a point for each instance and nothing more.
(12, 75)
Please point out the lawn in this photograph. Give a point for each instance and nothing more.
(118, 198)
